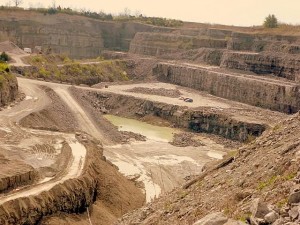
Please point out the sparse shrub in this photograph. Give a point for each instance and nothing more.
(4, 67)
(4, 57)
(267, 183)
(271, 21)
(43, 72)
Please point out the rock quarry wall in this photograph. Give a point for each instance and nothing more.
(158, 44)
(204, 120)
(77, 36)
(279, 96)
(286, 66)
(161, 43)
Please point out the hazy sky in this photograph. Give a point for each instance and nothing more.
(231, 12)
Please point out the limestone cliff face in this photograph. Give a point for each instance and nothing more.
(287, 66)
(279, 96)
(158, 44)
(76, 36)
(200, 120)
(8, 88)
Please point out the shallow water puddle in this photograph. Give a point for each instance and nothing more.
(150, 131)
(158, 164)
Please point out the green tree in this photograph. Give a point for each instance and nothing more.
(271, 21)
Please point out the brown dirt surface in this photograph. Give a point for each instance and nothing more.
(159, 91)
(114, 196)
(10, 47)
(186, 139)
(267, 168)
(56, 117)
(110, 131)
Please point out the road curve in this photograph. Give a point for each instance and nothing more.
(73, 170)
(36, 100)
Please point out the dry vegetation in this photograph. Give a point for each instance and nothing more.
(62, 69)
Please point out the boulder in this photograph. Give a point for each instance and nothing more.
(279, 222)
(213, 219)
(271, 217)
(259, 209)
(295, 195)
(294, 213)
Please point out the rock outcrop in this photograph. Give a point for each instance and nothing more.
(262, 92)
(159, 44)
(204, 120)
(286, 66)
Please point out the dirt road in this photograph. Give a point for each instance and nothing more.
(33, 146)
(73, 170)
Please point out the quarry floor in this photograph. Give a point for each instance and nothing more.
(154, 164)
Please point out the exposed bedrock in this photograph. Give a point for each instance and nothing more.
(253, 90)
(162, 43)
(287, 66)
(77, 36)
(204, 120)
(158, 44)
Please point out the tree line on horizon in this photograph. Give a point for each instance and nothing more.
(124, 16)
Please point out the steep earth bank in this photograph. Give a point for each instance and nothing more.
(204, 120)
(100, 184)
(15, 174)
(265, 93)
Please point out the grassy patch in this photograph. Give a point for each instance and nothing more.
(269, 182)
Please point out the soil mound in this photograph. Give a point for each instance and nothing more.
(10, 47)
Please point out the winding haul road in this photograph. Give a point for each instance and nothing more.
(36, 100)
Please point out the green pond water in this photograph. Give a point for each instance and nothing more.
(150, 131)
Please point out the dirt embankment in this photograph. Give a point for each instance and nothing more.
(204, 120)
(267, 168)
(15, 174)
(8, 87)
(55, 117)
(100, 187)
